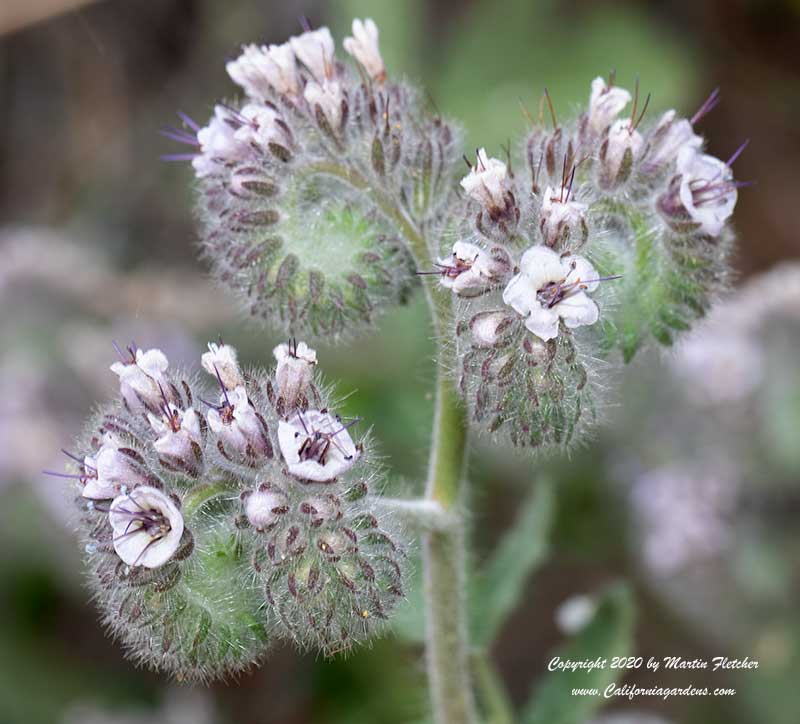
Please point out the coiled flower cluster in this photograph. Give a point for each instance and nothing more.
(612, 233)
(220, 515)
(218, 518)
(301, 237)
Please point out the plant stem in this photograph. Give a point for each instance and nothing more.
(443, 556)
(494, 698)
(422, 514)
(443, 550)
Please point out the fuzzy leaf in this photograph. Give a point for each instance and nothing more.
(609, 634)
(522, 550)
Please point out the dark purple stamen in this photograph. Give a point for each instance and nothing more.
(178, 156)
(71, 476)
(188, 121)
(222, 385)
(738, 152)
(180, 136)
(709, 105)
(76, 459)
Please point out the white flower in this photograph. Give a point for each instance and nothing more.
(258, 70)
(707, 189)
(559, 216)
(236, 422)
(469, 270)
(107, 471)
(670, 135)
(315, 51)
(260, 127)
(328, 97)
(218, 144)
(142, 380)
(363, 46)
(295, 371)
(621, 139)
(605, 104)
(264, 506)
(550, 287)
(147, 527)
(221, 359)
(486, 328)
(575, 613)
(176, 431)
(316, 445)
(487, 182)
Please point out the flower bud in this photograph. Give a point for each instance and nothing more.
(264, 506)
(605, 104)
(143, 379)
(294, 373)
(560, 218)
(259, 126)
(487, 183)
(221, 361)
(363, 46)
(619, 152)
(487, 328)
(315, 50)
(328, 98)
(262, 70)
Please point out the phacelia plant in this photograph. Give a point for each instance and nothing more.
(219, 520)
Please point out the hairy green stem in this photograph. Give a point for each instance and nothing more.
(443, 550)
(495, 704)
(422, 514)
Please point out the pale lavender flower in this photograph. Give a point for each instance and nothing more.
(142, 378)
(147, 527)
(363, 46)
(549, 288)
(605, 104)
(258, 70)
(221, 361)
(315, 50)
(316, 445)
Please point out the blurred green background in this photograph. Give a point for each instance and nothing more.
(97, 242)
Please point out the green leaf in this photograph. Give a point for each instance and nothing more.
(499, 587)
(609, 634)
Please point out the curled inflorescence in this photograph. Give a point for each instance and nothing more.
(612, 232)
(218, 518)
(294, 182)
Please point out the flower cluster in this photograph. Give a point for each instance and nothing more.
(217, 519)
(615, 231)
(294, 181)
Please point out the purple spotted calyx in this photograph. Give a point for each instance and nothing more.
(218, 518)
